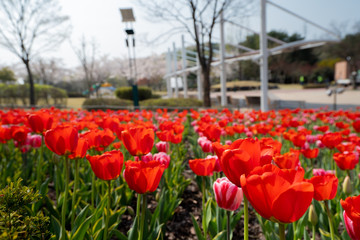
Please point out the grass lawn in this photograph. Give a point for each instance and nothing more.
(75, 103)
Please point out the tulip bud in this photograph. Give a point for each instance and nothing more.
(313, 217)
(227, 195)
(131, 211)
(347, 187)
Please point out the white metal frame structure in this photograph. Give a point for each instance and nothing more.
(251, 54)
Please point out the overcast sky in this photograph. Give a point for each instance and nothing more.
(100, 20)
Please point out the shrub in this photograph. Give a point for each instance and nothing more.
(127, 93)
(44, 94)
(18, 219)
(172, 102)
(105, 103)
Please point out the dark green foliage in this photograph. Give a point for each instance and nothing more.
(105, 103)
(17, 219)
(7, 75)
(127, 93)
(172, 102)
(44, 94)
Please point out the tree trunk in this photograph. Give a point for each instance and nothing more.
(206, 80)
(31, 83)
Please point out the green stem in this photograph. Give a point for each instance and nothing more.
(348, 173)
(281, 231)
(294, 230)
(40, 163)
(203, 207)
(246, 219)
(64, 206)
(142, 223)
(76, 179)
(138, 204)
(313, 232)
(228, 213)
(93, 189)
(107, 218)
(332, 233)
(56, 170)
(218, 221)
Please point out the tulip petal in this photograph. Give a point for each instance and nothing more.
(290, 205)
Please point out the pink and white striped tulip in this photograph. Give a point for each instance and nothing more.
(227, 195)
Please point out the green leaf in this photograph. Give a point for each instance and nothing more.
(79, 219)
(324, 233)
(133, 232)
(80, 233)
(156, 233)
(197, 229)
(97, 226)
(208, 212)
(115, 218)
(55, 226)
(119, 235)
(219, 235)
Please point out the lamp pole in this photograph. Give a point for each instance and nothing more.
(128, 18)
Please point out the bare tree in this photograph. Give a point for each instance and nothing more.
(48, 71)
(30, 27)
(86, 54)
(198, 18)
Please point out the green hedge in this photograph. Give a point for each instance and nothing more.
(127, 93)
(172, 102)
(105, 103)
(14, 94)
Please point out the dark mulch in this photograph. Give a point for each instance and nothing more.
(180, 227)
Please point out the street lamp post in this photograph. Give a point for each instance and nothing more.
(128, 18)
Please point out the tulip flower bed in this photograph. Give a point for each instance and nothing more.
(210, 174)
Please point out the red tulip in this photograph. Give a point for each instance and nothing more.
(325, 186)
(143, 177)
(212, 132)
(138, 140)
(108, 165)
(241, 160)
(289, 160)
(99, 139)
(351, 207)
(298, 139)
(203, 167)
(310, 153)
(331, 140)
(356, 125)
(19, 133)
(40, 121)
(281, 195)
(346, 147)
(346, 160)
(62, 140)
(227, 195)
(5, 134)
(80, 150)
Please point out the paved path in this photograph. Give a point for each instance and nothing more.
(313, 98)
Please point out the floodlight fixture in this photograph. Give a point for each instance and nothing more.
(127, 15)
